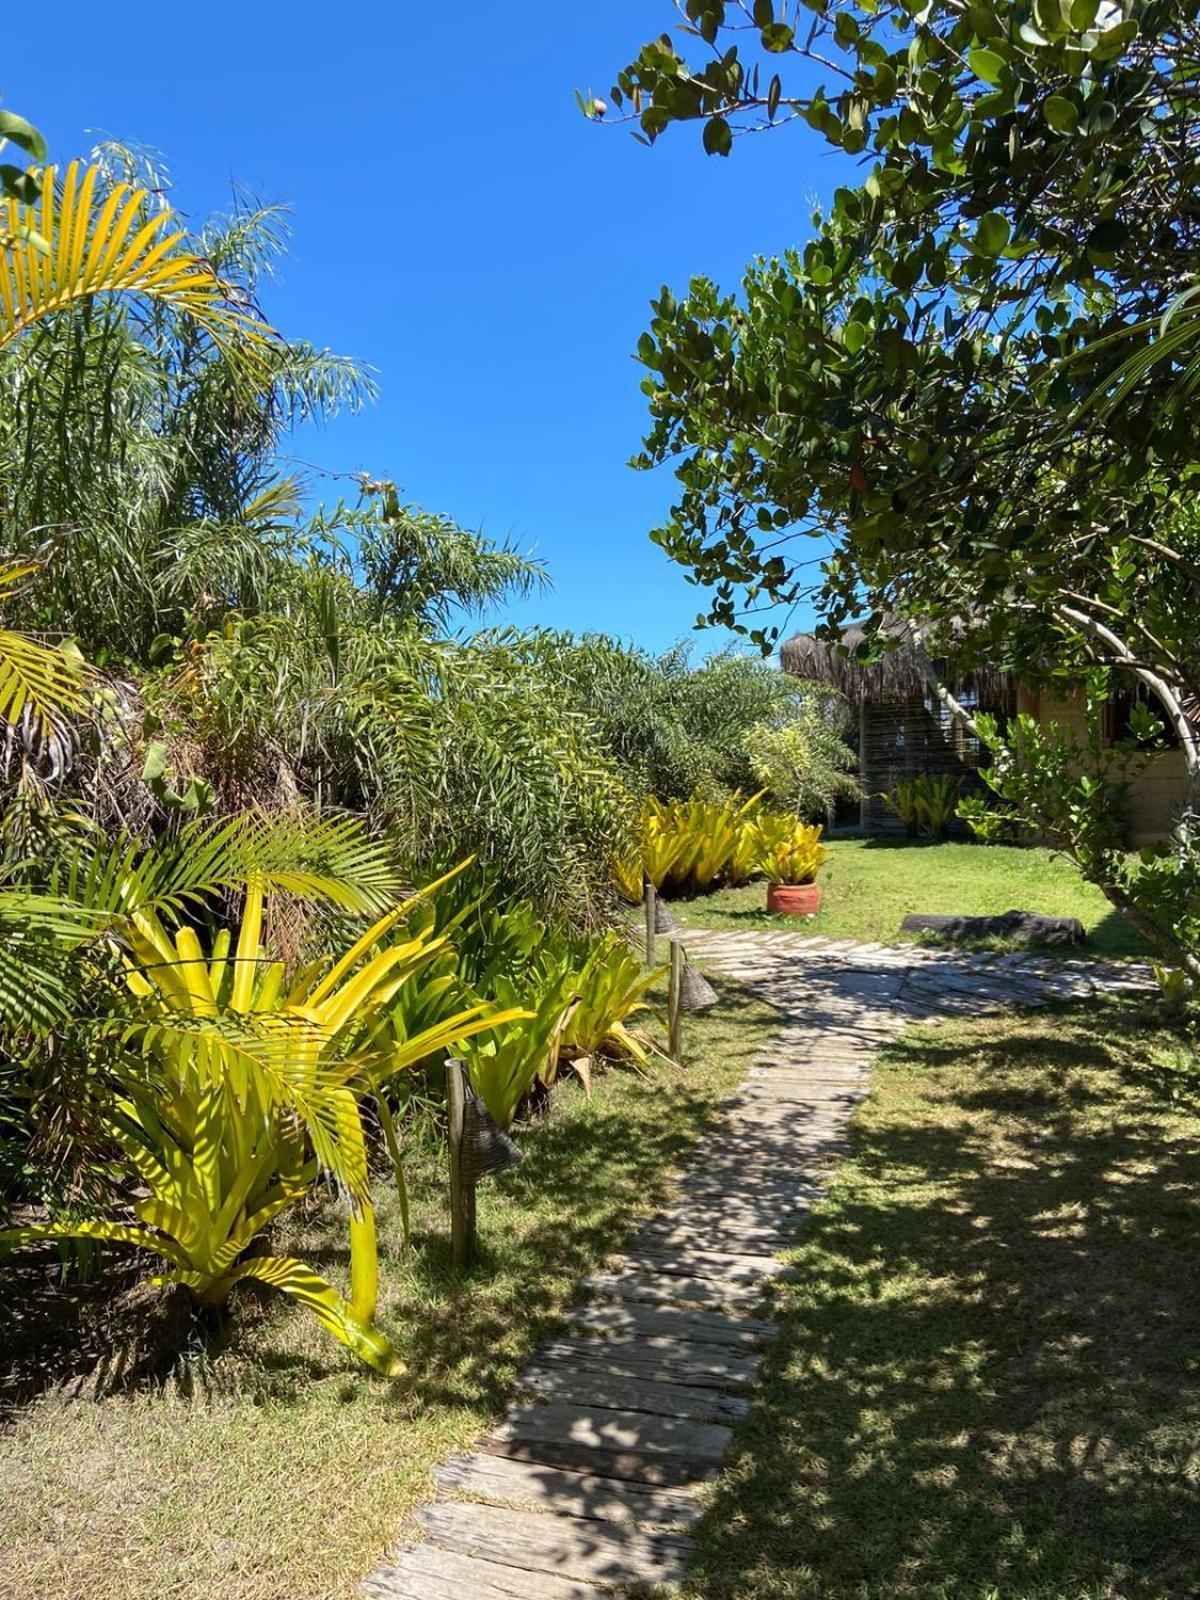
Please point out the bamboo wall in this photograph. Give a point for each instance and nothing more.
(903, 738)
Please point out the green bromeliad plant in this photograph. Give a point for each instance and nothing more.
(929, 801)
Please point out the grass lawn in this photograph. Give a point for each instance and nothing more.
(987, 1385)
(870, 885)
(276, 1466)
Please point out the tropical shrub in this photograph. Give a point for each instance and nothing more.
(930, 801)
(504, 1065)
(245, 1085)
(804, 764)
(604, 993)
(788, 851)
(674, 727)
(689, 845)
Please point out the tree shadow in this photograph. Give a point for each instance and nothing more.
(986, 1383)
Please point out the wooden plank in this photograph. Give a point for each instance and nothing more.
(603, 1428)
(780, 1221)
(692, 1261)
(563, 1547)
(502, 1481)
(708, 1366)
(664, 1322)
(594, 1387)
(613, 1444)
(425, 1572)
(719, 1233)
(669, 1289)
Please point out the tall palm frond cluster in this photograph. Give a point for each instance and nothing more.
(234, 728)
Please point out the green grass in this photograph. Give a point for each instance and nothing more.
(870, 885)
(987, 1383)
(275, 1466)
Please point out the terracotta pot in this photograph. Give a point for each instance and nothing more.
(794, 899)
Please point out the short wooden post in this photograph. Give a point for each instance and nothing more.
(462, 1193)
(649, 901)
(675, 1003)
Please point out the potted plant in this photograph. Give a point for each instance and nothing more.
(791, 855)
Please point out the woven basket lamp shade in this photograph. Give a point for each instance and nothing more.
(486, 1147)
(664, 922)
(695, 991)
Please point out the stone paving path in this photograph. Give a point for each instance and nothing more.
(590, 1483)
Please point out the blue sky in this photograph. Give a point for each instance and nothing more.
(457, 224)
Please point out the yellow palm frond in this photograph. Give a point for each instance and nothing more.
(93, 238)
(37, 680)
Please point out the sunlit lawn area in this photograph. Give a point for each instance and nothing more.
(987, 1384)
(870, 885)
(279, 1467)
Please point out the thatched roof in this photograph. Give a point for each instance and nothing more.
(897, 675)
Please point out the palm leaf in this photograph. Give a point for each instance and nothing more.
(330, 1308)
(91, 240)
(36, 679)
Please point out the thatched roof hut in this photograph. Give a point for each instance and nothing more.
(903, 729)
(896, 676)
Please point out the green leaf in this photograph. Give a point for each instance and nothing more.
(854, 336)
(718, 137)
(777, 38)
(22, 134)
(992, 233)
(986, 64)
(1112, 41)
(1062, 114)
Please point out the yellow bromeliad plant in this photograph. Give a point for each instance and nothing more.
(689, 845)
(251, 1085)
(787, 850)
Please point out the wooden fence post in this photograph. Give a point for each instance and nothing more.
(649, 900)
(462, 1193)
(675, 1003)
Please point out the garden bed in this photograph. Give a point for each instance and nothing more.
(278, 1465)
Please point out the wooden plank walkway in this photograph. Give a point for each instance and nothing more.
(589, 1484)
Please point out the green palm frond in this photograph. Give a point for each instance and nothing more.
(312, 857)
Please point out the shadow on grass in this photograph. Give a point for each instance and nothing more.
(987, 1382)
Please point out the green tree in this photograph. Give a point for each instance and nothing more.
(946, 377)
